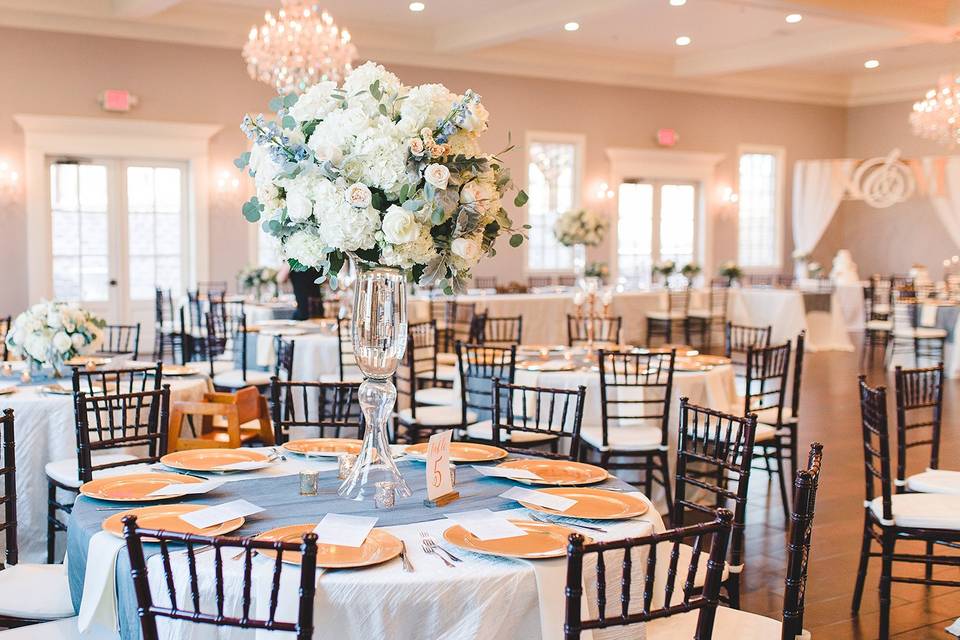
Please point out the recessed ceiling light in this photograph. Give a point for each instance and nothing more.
(677, 3)
(683, 41)
(794, 18)
(572, 26)
(417, 7)
(871, 64)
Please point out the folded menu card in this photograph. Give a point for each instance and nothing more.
(347, 531)
(506, 472)
(486, 524)
(539, 498)
(179, 489)
(220, 513)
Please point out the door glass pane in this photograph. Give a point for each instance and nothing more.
(635, 233)
(79, 232)
(551, 180)
(154, 199)
(677, 209)
(758, 210)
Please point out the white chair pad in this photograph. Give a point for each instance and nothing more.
(924, 333)
(438, 396)
(924, 510)
(203, 366)
(37, 591)
(768, 415)
(483, 430)
(65, 471)
(765, 432)
(447, 373)
(439, 416)
(63, 629)
(683, 561)
(234, 379)
(623, 438)
(935, 481)
(882, 309)
(729, 624)
(665, 315)
(447, 359)
(879, 325)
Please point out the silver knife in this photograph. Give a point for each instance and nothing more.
(407, 565)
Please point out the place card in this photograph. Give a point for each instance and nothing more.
(506, 472)
(954, 629)
(245, 465)
(220, 513)
(178, 489)
(342, 530)
(486, 524)
(539, 498)
(439, 480)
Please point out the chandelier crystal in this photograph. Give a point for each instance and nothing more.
(937, 116)
(298, 47)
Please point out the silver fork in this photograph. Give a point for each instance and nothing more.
(539, 517)
(431, 546)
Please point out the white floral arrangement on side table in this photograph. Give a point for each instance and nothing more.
(50, 333)
(385, 172)
(256, 277)
(580, 226)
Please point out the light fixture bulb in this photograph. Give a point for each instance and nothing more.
(871, 64)
(417, 7)
(794, 18)
(572, 26)
(683, 41)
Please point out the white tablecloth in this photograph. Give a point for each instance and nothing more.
(785, 311)
(45, 431)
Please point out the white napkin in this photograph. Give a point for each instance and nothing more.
(506, 472)
(98, 604)
(928, 315)
(178, 489)
(486, 524)
(265, 351)
(345, 530)
(220, 513)
(954, 629)
(540, 498)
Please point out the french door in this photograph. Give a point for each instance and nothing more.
(118, 230)
(656, 221)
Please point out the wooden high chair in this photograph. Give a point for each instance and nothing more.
(225, 421)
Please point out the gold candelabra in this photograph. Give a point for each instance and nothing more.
(594, 308)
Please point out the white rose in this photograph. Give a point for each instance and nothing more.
(475, 118)
(400, 225)
(299, 207)
(437, 175)
(416, 147)
(62, 342)
(467, 249)
(358, 195)
(54, 319)
(78, 341)
(479, 193)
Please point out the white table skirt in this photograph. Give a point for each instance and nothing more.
(784, 310)
(45, 431)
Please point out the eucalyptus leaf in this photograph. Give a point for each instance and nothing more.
(290, 99)
(516, 240)
(288, 122)
(275, 104)
(521, 198)
(383, 109)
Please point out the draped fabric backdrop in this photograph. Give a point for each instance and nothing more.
(818, 188)
(946, 200)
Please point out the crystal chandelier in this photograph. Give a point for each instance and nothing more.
(298, 47)
(937, 116)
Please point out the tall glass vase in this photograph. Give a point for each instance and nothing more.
(580, 263)
(379, 342)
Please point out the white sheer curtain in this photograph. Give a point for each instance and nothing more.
(947, 203)
(818, 187)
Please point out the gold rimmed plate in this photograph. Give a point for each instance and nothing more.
(559, 472)
(134, 487)
(379, 547)
(214, 460)
(324, 447)
(167, 517)
(461, 452)
(594, 504)
(541, 540)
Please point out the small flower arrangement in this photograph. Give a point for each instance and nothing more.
(49, 333)
(731, 271)
(389, 174)
(665, 268)
(690, 270)
(597, 270)
(580, 226)
(800, 256)
(814, 269)
(256, 277)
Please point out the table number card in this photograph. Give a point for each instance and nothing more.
(439, 480)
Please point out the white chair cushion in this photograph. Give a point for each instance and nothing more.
(765, 432)
(448, 359)
(234, 378)
(483, 430)
(63, 629)
(438, 396)
(704, 313)
(768, 415)
(924, 510)
(37, 591)
(924, 333)
(623, 438)
(935, 481)
(440, 416)
(203, 366)
(665, 315)
(729, 624)
(878, 325)
(882, 309)
(447, 373)
(685, 555)
(65, 471)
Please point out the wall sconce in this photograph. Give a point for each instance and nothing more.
(728, 199)
(227, 183)
(226, 189)
(728, 196)
(9, 182)
(604, 192)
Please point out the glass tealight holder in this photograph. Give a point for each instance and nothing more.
(7, 369)
(309, 481)
(386, 495)
(346, 460)
(453, 475)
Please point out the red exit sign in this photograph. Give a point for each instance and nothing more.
(667, 137)
(117, 100)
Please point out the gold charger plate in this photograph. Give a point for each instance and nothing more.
(175, 370)
(135, 487)
(559, 472)
(379, 547)
(542, 540)
(461, 452)
(324, 446)
(81, 361)
(714, 361)
(546, 365)
(594, 504)
(211, 459)
(167, 517)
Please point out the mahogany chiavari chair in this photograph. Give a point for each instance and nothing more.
(566, 280)
(737, 338)
(663, 322)
(212, 288)
(760, 280)
(425, 407)
(634, 432)
(485, 282)
(496, 332)
(168, 337)
(616, 600)
(715, 453)
(604, 329)
(785, 281)
(909, 336)
(29, 593)
(121, 339)
(877, 326)
(284, 350)
(889, 518)
(421, 358)
(539, 281)
(226, 344)
(919, 395)
(706, 322)
(193, 329)
(347, 368)
(4, 330)
(479, 365)
(222, 612)
(527, 417)
(325, 409)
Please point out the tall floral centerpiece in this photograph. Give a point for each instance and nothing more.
(580, 228)
(255, 278)
(50, 333)
(392, 178)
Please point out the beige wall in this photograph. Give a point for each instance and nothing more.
(62, 74)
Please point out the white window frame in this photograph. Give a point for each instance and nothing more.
(579, 141)
(780, 156)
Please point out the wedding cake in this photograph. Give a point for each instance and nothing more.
(844, 268)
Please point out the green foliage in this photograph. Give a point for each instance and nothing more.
(521, 198)
(242, 161)
(290, 99)
(516, 240)
(252, 209)
(275, 104)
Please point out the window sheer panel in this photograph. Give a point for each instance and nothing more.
(79, 231)
(677, 219)
(635, 233)
(552, 187)
(760, 210)
(155, 215)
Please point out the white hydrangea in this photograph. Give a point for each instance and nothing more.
(262, 165)
(348, 228)
(305, 247)
(316, 103)
(424, 106)
(419, 251)
(580, 226)
(357, 86)
(383, 152)
(334, 136)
